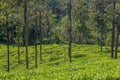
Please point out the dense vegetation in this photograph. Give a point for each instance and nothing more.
(88, 64)
(62, 39)
(91, 21)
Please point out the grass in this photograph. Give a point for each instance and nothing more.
(88, 64)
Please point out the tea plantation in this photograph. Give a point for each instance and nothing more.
(88, 63)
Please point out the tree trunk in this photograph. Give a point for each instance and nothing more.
(8, 48)
(18, 41)
(40, 37)
(101, 31)
(69, 31)
(12, 36)
(117, 41)
(8, 51)
(113, 31)
(26, 31)
(8, 41)
(101, 43)
(36, 31)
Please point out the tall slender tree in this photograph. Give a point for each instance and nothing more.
(100, 22)
(18, 42)
(69, 30)
(26, 31)
(8, 40)
(117, 41)
(40, 36)
(117, 34)
(36, 31)
(113, 30)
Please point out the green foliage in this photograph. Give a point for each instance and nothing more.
(88, 64)
(3, 6)
(87, 22)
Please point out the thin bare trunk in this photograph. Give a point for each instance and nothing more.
(69, 31)
(117, 41)
(101, 31)
(26, 31)
(8, 48)
(36, 31)
(18, 41)
(113, 31)
(40, 37)
(8, 41)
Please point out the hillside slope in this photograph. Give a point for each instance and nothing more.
(88, 64)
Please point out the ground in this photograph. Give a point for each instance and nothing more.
(88, 63)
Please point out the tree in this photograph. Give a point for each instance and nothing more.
(18, 41)
(113, 30)
(8, 41)
(26, 31)
(117, 23)
(117, 41)
(69, 30)
(40, 36)
(36, 31)
(18, 26)
(100, 8)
